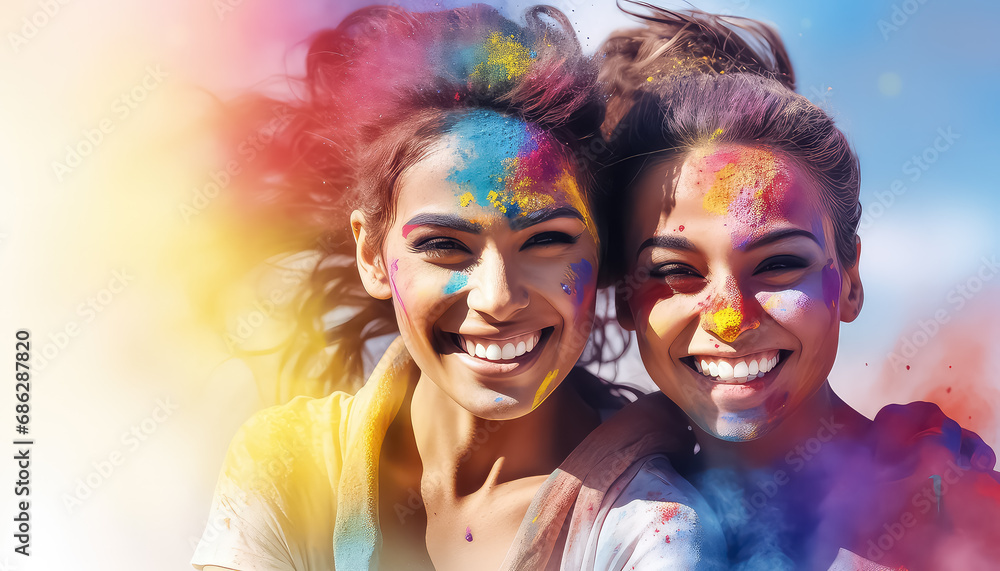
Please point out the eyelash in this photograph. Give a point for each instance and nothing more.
(674, 270)
(786, 263)
(774, 264)
(438, 246)
(550, 238)
(444, 246)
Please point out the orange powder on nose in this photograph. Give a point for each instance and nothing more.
(727, 324)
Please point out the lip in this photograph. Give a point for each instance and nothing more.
(506, 367)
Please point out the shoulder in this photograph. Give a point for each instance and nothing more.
(652, 518)
(285, 439)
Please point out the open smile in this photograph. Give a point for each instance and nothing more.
(736, 370)
(495, 355)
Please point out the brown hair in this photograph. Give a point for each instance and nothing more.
(740, 95)
(380, 89)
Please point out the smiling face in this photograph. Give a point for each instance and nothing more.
(491, 262)
(738, 322)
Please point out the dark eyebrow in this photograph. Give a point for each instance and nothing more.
(778, 235)
(539, 216)
(672, 242)
(446, 221)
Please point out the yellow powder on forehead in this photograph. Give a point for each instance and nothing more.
(568, 187)
(497, 200)
(466, 199)
(526, 199)
(755, 170)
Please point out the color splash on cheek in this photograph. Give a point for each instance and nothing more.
(393, 269)
(456, 282)
(784, 305)
(543, 390)
(831, 284)
(577, 279)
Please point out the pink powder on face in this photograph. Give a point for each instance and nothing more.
(750, 187)
(392, 284)
(407, 228)
(831, 284)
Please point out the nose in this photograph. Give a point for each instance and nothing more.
(728, 312)
(497, 290)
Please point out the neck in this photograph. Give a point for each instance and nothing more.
(462, 453)
(822, 416)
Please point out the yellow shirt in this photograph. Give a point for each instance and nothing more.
(298, 491)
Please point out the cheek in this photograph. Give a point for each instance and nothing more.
(417, 288)
(580, 284)
(456, 283)
(810, 303)
(652, 312)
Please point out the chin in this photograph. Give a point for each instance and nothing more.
(492, 405)
(743, 426)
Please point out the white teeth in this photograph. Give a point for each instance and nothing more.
(731, 371)
(725, 371)
(500, 351)
(493, 352)
(507, 352)
(741, 370)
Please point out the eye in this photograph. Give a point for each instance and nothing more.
(674, 270)
(549, 239)
(439, 246)
(781, 264)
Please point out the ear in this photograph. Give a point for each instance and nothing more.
(371, 266)
(623, 311)
(852, 293)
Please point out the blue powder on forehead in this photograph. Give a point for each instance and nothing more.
(489, 145)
